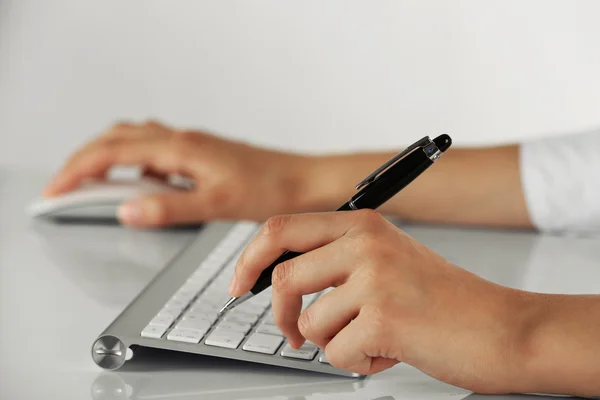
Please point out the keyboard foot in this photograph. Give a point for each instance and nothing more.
(109, 352)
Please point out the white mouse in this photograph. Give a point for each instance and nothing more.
(95, 200)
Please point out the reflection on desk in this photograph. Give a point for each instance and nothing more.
(164, 375)
(124, 260)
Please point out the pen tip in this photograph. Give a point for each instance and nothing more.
(226, 306)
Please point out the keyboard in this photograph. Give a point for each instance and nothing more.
(189, 320)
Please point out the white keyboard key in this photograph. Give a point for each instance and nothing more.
(266, 344)
(154, 331)
(169, 312)
(194, 324)
(184, 298)
(263, 301)
(269, 319)
(200, 307)
(306, 352)
(186, 335)
(203, 312)
(176, 304)
(323, 359)
(162, 320)
(269, 329)
(241, 318)
(206, 317)
(217, 300)
(208, 267)
(234, 326)
(218, 287)
(225, 338)
(254, 309)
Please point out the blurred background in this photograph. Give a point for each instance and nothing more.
(311, 76)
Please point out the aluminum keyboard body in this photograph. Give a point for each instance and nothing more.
(178, 311)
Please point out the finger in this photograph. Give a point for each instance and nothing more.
(298, 233)
(180, 207)
(308, 273)
(331, 313)
(159, 154)
(286, 310)
(358, 349)
(120, 133)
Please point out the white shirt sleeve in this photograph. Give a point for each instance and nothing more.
(560, 176)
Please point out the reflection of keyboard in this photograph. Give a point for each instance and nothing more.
(188, 319)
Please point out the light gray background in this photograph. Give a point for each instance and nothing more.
(305, 76)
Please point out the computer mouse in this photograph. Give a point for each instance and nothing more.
(96, 200)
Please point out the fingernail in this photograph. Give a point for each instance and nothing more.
(130, 213)
(232, 285)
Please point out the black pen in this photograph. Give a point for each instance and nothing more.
(385, 182)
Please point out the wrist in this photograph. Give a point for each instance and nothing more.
(560, 345)
(523, 311)
(320, 183)
(504, 348)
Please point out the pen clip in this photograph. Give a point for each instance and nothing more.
(392, 161)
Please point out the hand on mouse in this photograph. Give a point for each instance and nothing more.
(394, 300)
(233, 180)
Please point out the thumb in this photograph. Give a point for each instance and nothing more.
(164, 209)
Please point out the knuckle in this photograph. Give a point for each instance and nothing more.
(112, 143)
(334, 357)
(366, 243)
(275, 225)
(369, 278)
(116, 130)
(152, 123)
(241, 266)
(283, 275)
(186, 136)
(370, 274)
(369, 217)
(376, 325)
(120, 126)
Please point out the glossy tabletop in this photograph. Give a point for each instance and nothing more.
(62, 284)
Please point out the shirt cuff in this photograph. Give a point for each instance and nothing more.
(560, 176)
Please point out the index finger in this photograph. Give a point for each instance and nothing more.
(297, 232)
(160, 154)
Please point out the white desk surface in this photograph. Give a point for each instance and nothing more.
(61, 285)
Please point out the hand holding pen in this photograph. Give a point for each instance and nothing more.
(392, 298)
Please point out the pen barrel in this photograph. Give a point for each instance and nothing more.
(396, 178)
(264, 280)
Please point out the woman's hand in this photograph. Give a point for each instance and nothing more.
(394, 300)
(232, 180)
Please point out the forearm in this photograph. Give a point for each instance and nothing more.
(466, 186)
(561, 346)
